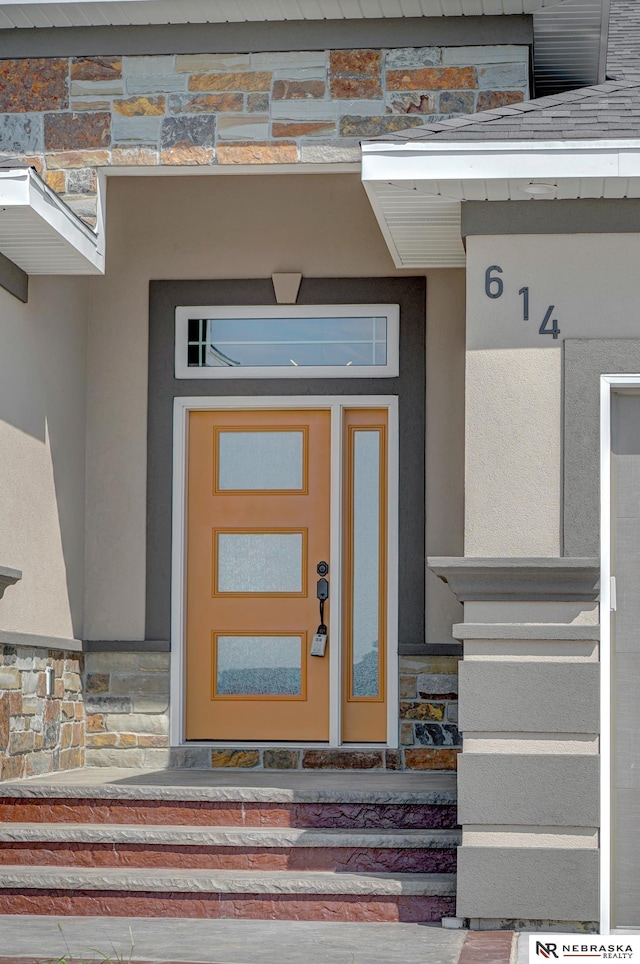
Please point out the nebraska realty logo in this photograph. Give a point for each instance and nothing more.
(580, 947)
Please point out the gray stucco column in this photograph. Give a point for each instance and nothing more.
(529, 714)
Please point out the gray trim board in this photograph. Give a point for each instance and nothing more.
(521, 579)
(583, 216)
(585, 360)
(40, 642)
(195, 38)
(8, 577)
(550, 631)
(410, 294)
(126, 646)
(433, 649)
(85, 645)
(13, 279)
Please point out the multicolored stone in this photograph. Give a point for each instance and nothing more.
(355, 74)
(77, 131)
(35, 84)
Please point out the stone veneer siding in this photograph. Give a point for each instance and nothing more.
(68, 116)
(127, 711)
(40, 734)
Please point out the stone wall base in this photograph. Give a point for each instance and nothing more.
(273, 758)
(40, 733)
(127, 710)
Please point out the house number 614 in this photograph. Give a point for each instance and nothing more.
(494, 288)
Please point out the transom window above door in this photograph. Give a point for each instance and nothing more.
(309, 341)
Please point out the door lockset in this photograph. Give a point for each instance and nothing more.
(319, 643)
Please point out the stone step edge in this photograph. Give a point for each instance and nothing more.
(326, 883)
(194, 836)
(444, 792)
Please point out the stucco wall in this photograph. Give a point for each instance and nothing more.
(514, 375)
(231, 227)
(42, 452)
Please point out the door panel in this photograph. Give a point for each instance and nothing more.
(258, 524)
(364, 711)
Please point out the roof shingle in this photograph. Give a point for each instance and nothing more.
(598, 112)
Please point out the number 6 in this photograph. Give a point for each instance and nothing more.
(493, 286)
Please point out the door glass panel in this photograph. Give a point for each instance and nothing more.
(260, 562)
(366, 557)
(258, 666)
(260, 460)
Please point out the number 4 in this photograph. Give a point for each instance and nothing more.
(554, 330)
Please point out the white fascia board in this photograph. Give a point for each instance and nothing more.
(99, 12)
(500, 160)
(22, 188)
(254, 9)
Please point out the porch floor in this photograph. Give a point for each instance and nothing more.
(278, 785)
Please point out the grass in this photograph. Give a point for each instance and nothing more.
(69, 958)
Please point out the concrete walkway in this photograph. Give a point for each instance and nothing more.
(32, 938)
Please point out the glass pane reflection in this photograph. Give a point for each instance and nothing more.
(259, 562)
(366, 553)
(259, 665)
(277, 342)
(260, 460)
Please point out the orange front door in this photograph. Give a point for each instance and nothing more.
(258, 525)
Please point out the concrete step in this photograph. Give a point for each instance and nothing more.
(227, 836)
(232, 894)
(339, 846)
(229, 848)
(355, 804)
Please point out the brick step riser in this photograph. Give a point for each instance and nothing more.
(344, 816)
(337, 859)
(236, 906)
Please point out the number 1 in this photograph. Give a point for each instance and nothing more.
(525, 305)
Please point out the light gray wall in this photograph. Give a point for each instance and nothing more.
(514, 388)
(42, 456)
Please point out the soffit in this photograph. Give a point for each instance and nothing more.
(71, 13)
(417, 195)
(39, 233)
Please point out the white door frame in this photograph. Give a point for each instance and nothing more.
(608, 384)
(336, 404)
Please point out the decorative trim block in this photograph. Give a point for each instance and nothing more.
(8, 577)
(519, 579)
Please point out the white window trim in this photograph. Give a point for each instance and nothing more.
(335, 404)
(608, 384)
(390, 312)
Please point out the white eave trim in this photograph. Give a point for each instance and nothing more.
(474, 160)
(85, 13)
(39, 233)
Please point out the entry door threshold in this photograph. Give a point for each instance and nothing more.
(287, 745)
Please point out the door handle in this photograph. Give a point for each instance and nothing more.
(319, 644)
